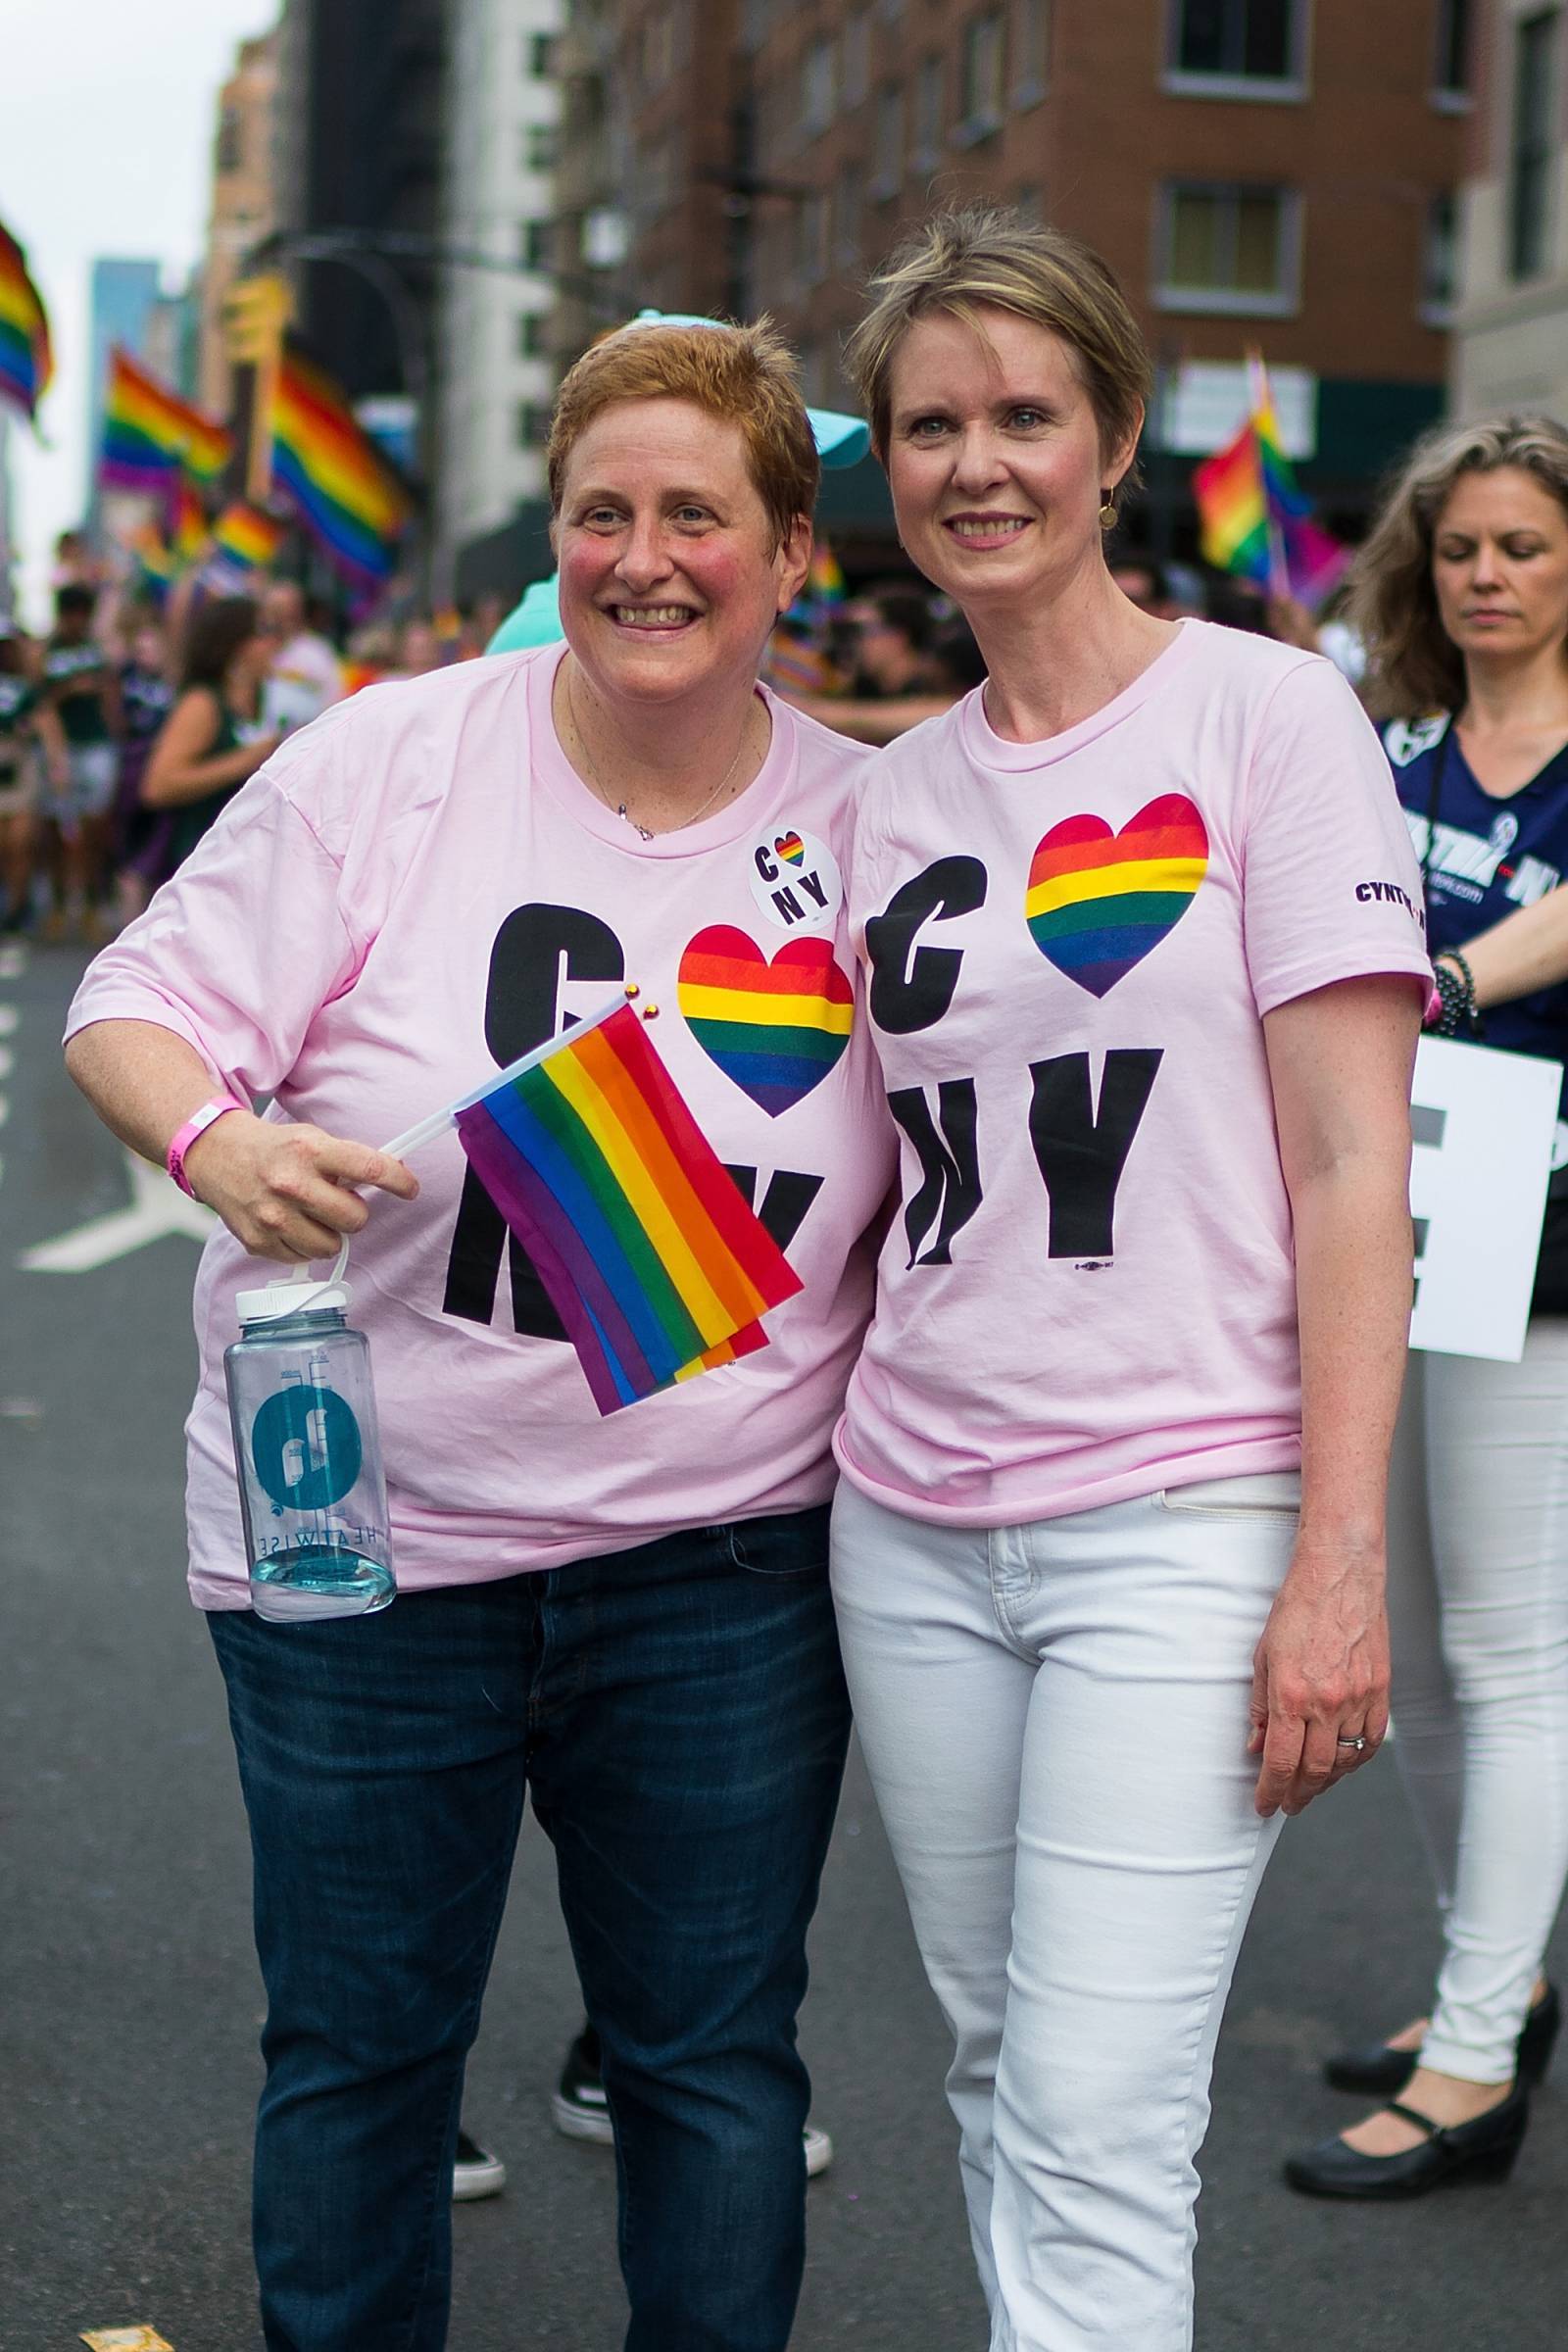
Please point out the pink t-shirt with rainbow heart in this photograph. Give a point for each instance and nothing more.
(1088, 1290)
(419, 888)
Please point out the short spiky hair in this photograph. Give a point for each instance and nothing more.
(1413, 666)
(744, 374)
(983, 257)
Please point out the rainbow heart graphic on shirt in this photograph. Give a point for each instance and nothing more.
(1100, 901)
(777, 1029)
(791, 847)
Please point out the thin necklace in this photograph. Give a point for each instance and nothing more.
(645, 832)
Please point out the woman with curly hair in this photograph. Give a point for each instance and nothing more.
(1462, 597)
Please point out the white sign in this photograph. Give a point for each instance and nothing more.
(1485, 1125)
(1206, 403)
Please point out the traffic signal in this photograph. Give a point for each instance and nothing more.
(256, 312)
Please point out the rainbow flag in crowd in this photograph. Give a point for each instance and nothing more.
(156, 561)
(824, 582)
(347, 495)
(187, 529)
(247, 537)
(650, 1253)
(151, 435)
(26, 360)
(1254, 517)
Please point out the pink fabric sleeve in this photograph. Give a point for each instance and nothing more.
(241, 950)
(1331, 886)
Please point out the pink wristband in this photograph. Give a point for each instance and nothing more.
(197, 1124)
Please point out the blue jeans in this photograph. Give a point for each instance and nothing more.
(679, 1716)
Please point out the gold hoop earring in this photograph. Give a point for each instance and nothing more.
(1108, 512)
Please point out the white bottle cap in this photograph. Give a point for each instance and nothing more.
(282, 1298)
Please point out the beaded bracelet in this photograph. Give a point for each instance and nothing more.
(1456, 994)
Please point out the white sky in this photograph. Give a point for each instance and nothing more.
(107, 114)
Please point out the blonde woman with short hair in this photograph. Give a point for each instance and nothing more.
(1109, 1551)
(1461, 595)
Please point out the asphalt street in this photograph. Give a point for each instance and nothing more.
(131, 1999)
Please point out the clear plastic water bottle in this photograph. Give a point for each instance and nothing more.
(308, 1451)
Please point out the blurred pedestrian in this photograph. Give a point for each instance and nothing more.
(1150, 1050)
(1461, 595)
(893, 632)
(146, 696)
(418, 649)
(631, 1620)
(30, 733)
(81, 689)
(215, 738)
(305, 676)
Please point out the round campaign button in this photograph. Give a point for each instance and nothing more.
(795, 879)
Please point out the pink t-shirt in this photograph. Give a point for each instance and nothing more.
(1088, 1290)
(416, 890)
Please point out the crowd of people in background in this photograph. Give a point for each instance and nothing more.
(129, 726)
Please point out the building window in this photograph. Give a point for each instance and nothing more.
(230, 139)
(811, 229)
(1237, 48)
(539, 56)
(982, 87)
(541, 146)
(888, 154)
(1439, 259)
(536, 244)
(1530, 176)
(532, 343)
(533, 424)
(928, 116)
(1031, 50)
(849, 211)
(858, 58)
(816, 88)
(1451, 79)
(605, 238)
(1229, 249)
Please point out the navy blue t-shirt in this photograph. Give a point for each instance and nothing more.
(1488, 858)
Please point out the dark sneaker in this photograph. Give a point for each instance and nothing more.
(579, 2108)
(476, 2173)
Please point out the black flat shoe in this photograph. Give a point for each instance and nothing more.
(1384, 2071)
(1482, 2150)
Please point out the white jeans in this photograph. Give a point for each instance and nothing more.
(1477, 1607)
(1055, 1719)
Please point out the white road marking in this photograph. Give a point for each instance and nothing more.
(8, 1062)
(13, 960)
(157, 1207)
(9, 1018)
(5, 1109)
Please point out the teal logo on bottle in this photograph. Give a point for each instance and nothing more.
(305, 1443)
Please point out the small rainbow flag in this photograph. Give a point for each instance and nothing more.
(346, 493)
(824, 582)
(187, 530)
(150, 434)
(1254, 517)
(26, 360)
(655, 1264)
(246, 536)
(156, 561)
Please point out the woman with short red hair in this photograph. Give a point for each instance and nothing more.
(627, 1620)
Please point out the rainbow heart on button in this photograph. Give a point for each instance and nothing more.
(792, 847)
(777, 1029)
(1100, 901)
